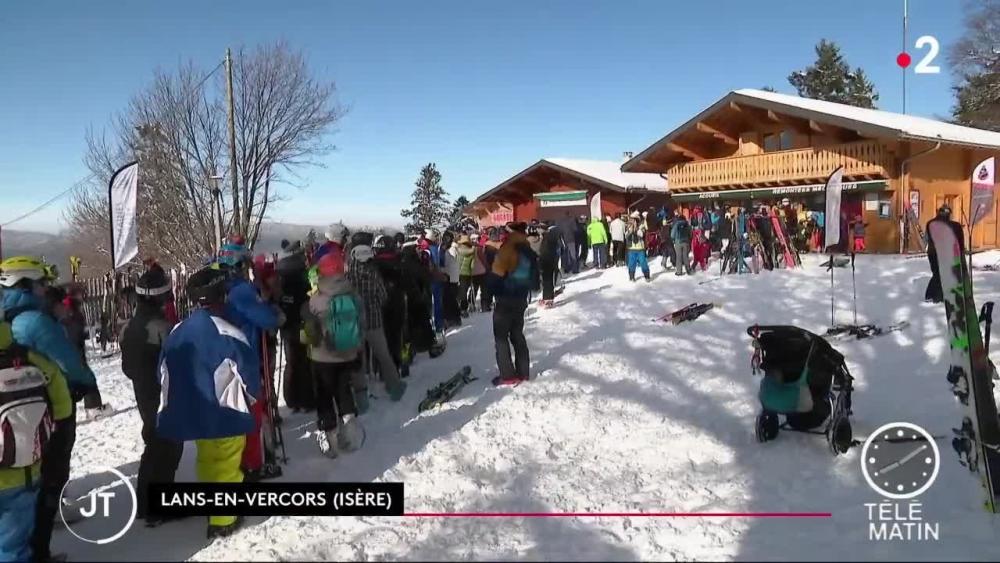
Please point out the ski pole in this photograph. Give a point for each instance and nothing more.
(986, 315)
(854, 285)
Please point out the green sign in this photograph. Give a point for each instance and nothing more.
(780, 191)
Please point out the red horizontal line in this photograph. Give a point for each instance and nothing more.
(619, 514)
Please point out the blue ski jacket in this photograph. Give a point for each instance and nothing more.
(35, 329)
(246, 309)
(208, 380)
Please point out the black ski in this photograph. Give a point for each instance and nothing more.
(443, 392)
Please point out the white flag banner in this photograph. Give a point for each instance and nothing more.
(595, 206)
(983, 181)
(122, 198)
(834, 186)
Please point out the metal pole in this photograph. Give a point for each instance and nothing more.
(854, 283)
(232, 133)
(831, 292)
(905, 45)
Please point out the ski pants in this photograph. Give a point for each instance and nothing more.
(17, 518)
(582, 248)
(548, 269)
(437, 296)
(298, 387)
(618, 252)
(569, 263)
(160, 456)
(601, 255)
(637, 258)
(55, 475)
(334, 393)
(380, 349)
(508, 330)
(464, 289)
(452, 313)
(219, 462)
(683, 252)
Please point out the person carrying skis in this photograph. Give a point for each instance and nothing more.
(368, 284)
(618, 240)
(294, 291)
(247, 310)
(934, 292)
(38, 379)
(24, 280)
(141, 343)
(680, 233)
(635, 238)
(514, 270)
(597, 236)
(333, 324)
(205, 396)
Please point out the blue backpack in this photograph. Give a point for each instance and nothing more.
(343, 323)
(521, 278)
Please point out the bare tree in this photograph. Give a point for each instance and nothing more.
(176, 128)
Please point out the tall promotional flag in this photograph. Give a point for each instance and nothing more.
(122, 200)
(983, 182)
(595, 206)
(834, 186)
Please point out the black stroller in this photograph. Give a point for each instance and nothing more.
(805, 380)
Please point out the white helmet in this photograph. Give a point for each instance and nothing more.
(362, 253)
(337, 232)
(18, 268)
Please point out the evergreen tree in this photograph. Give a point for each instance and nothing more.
(975, 63)
(830, 78)
(769, 89)
(429, 207)
(457, 210)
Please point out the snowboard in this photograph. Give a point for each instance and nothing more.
(971, 371)
(444, 391)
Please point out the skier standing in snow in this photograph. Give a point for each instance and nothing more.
(439, 277)
(418, 290)
(513, 271)
(597, 236)
(387, 262)
(582, 243)
(669, 259)
(291, 269)
(567, 225)
(490, 249)
(618, 241)
(548, 262)
(680, 233)
(247, 310)
(203, 354)
(635, 238)
(333, 322)
(141, 343)
(368, 284)
(452, 310)
(934, 292)
(471, 272)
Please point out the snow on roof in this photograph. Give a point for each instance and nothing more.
(905, 126)
(609, 171)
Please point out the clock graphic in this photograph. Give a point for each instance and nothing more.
(900, 460)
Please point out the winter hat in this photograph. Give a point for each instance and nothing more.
(233, 252)
(517, 226)
(153, 282)
(290, 249)
(330, 265)
(337, 232)
(207, 286)
(431, 234)
(362, 253)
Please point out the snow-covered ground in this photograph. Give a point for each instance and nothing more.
(626, 415)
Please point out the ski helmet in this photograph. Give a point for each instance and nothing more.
(207, 286)
(21, 268)
(362, 253)
(233, 252)
(944, 211)
(337, 232)
(153, 284)
(331, 264)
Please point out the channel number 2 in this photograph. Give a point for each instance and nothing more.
(925, 66)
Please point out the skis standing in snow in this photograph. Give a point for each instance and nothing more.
(933, 292)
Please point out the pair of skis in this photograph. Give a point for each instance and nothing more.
(444, 391)
(688, 313)
(791, 258)
(971, 372)
(861, 332)
(271, 432)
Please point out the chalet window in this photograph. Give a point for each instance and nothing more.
(781, 141)
(785, 140)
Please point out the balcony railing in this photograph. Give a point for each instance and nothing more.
(863, 158)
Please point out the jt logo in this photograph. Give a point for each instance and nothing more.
(106, 497)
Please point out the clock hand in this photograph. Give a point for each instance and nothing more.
(904, 459)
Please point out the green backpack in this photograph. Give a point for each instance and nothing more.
(343, 323)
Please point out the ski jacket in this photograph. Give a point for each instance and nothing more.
(581, 234)
(596, 233)
(294, 288)
(506, 262)
(490, 253)
(209, 376)
(325, 248)
(858, 228)
(618, 230)
(35, 329)
(249, 312)
(451, 266)
(368, 284)
(680, 233)
(665, 237)
(552, 245)
(466, 259)
(314, 320)
(75, 325)
(635, 237)
(141, 342)
(60, 401)
(568, 228)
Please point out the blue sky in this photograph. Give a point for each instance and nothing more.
(481, 88)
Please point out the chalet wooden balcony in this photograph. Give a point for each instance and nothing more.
(861, 160)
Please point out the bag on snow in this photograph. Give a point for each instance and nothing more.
(25, 411)
(343, 323)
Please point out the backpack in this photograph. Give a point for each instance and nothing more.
(521, 278)
(684, 231)
(25, 410)
(343, 323)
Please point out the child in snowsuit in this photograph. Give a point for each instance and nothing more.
(858, 233)
(635, 239)
(204, 396)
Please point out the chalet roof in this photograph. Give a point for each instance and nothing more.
(876, 123)
(604, 173)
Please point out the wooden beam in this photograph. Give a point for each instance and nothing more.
(685, 151)
(774, 117)
(727, 138)
(813, 126)
(735, 107)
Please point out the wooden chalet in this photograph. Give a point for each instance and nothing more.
(756, 147)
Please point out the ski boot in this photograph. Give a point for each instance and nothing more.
(361, 400)
(350, 434)
(397, 391)
(223, 531)
(327, 441)
(99, 412)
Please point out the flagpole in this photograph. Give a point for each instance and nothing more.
(905, 29)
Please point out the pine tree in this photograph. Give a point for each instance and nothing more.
(830, 78)
(457, 210)
(429, 207)
(975, 63)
